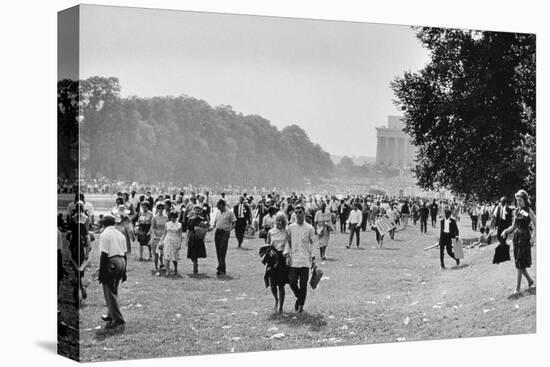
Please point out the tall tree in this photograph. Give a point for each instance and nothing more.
(185, 140)
(471, 111)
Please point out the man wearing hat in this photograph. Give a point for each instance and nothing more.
(242, 213)
(112, 269)
(224, 222)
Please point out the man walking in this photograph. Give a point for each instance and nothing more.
(224, 222)
(424, 212)
(449, 230)
(242, 213)
(433, 213)
(354, 220)
(301, 250)
(112, 269)
(502, 219)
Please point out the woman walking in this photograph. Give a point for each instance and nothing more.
(172, 239)
(323, 226)
(144, 229)
(197, 226)
(278, 274)
(158, 225)
(524, 216)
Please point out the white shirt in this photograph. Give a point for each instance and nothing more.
(302, 246)
(447, 226)
(355, 217)
(502, 212)
(112, 242)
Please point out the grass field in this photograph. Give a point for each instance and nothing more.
(368, 295)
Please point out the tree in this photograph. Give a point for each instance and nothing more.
(185, 140)
(471, 110)
(67, 129)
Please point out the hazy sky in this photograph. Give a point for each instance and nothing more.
(331, 78)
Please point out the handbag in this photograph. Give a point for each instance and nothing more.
(316, 275)
(457, 248)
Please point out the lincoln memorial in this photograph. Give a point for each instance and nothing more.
(393, 146)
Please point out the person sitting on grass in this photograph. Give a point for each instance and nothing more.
(484, 238)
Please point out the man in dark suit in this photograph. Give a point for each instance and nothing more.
(244, 217)
(449, 230)
(343, 213)
(503, 219)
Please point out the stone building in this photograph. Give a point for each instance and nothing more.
(394, 146)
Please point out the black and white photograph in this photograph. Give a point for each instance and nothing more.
(232, 183)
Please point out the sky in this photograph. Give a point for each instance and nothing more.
(329, 77)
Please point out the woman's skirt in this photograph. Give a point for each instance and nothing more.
(522, 248)
(157, 247)
(195, 247)
(278, 275)
(172, 247)
(143, 238)
(323, 237)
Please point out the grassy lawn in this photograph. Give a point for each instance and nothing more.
(369, 295)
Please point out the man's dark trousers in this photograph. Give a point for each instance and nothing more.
(299, 276)
(221, 240)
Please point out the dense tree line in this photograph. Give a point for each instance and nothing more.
(471, 111)
(181, 140)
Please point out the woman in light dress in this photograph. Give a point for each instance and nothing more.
(158, 226)
(172, 239)
(323, 226)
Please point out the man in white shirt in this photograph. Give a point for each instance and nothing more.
(354, 221)
(112, 269)
(301, 250)
(224, 223)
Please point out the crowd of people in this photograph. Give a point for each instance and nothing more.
(295, 228)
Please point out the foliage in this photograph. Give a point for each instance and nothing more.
(469, 109)
(185, 140)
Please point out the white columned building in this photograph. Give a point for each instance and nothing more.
(394, 146)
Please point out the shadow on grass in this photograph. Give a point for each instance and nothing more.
(526, 293)
(244, 249)
(389, 248)
(199, 276)
(225, 277)
(461, 266)
(103, 334)
(315, 321)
